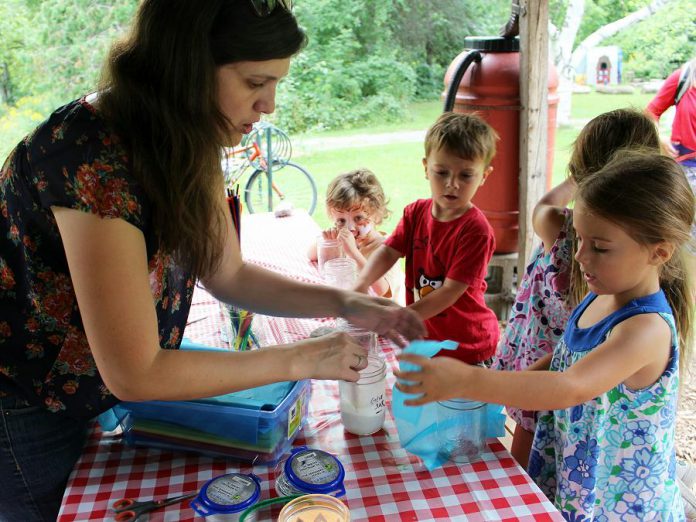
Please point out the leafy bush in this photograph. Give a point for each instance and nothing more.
(651, 54)
(19, 120)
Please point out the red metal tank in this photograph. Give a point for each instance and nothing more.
(489, 73)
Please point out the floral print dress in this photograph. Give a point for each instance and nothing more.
(611, 458)
(71, 160)
(539, 314)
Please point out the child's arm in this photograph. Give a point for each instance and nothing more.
(636, 353)
(548, 217)
(376, 266)
(440, 299)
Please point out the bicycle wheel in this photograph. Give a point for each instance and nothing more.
(291, 183)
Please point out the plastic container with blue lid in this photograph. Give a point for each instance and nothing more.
(226, 497)
(308, 471)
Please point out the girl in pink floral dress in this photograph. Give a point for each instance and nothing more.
(551, 285)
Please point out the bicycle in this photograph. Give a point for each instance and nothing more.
(272, 181)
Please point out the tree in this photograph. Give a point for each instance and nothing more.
(14, 34)
(652, 55)
(74, 37)
(566, 52)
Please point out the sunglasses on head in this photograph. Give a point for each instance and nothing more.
(264, 8)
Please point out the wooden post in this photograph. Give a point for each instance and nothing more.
(534, 51)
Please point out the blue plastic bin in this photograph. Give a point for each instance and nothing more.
(219, 429)
(256, 425)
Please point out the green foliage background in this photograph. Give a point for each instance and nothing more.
(365, 62)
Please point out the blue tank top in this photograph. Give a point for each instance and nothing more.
(612, 458)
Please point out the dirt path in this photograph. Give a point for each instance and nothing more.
(306, 146)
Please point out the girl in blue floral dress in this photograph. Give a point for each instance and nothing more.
(604, 446)
(551, 286)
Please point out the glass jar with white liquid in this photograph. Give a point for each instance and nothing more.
(363, 403)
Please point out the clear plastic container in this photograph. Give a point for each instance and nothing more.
(364, 338)
(341, 272)
(327, 249)
(309, 470)
(312, 508)
(363, 403)
(461, 427)
(226, 497)
(235, 329)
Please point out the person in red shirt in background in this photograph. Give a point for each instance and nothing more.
(682, 143)
(679, 90)
(447, 241)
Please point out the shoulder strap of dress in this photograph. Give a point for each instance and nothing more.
(646, 305)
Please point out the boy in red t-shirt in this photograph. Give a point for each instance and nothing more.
(447, 241)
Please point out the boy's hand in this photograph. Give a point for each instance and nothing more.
(439, 379)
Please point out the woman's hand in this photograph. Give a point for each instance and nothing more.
(332, 356)
(439, 378)
(382, 316)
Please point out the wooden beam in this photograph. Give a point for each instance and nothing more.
(534, 47)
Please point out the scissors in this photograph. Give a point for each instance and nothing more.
(128, 509)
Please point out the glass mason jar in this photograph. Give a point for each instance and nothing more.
(461, 429)
(314, 507)
(363, 403)
(341, 272)
(364, 338)
(327, 249)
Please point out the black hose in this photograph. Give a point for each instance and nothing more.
(512, 27)
(473, 56)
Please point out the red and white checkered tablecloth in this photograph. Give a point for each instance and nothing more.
(383, 482)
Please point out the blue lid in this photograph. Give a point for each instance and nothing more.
(315, 471)
(229, 493)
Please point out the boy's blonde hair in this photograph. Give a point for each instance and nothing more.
(358, 188)
(466, 135)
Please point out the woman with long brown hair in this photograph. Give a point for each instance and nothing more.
(112, 209)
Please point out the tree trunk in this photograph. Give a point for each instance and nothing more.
(6, 95)
(565, 56)
(563, 50)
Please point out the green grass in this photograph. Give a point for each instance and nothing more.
(587, 106)
(398, 166)
(418, 115)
